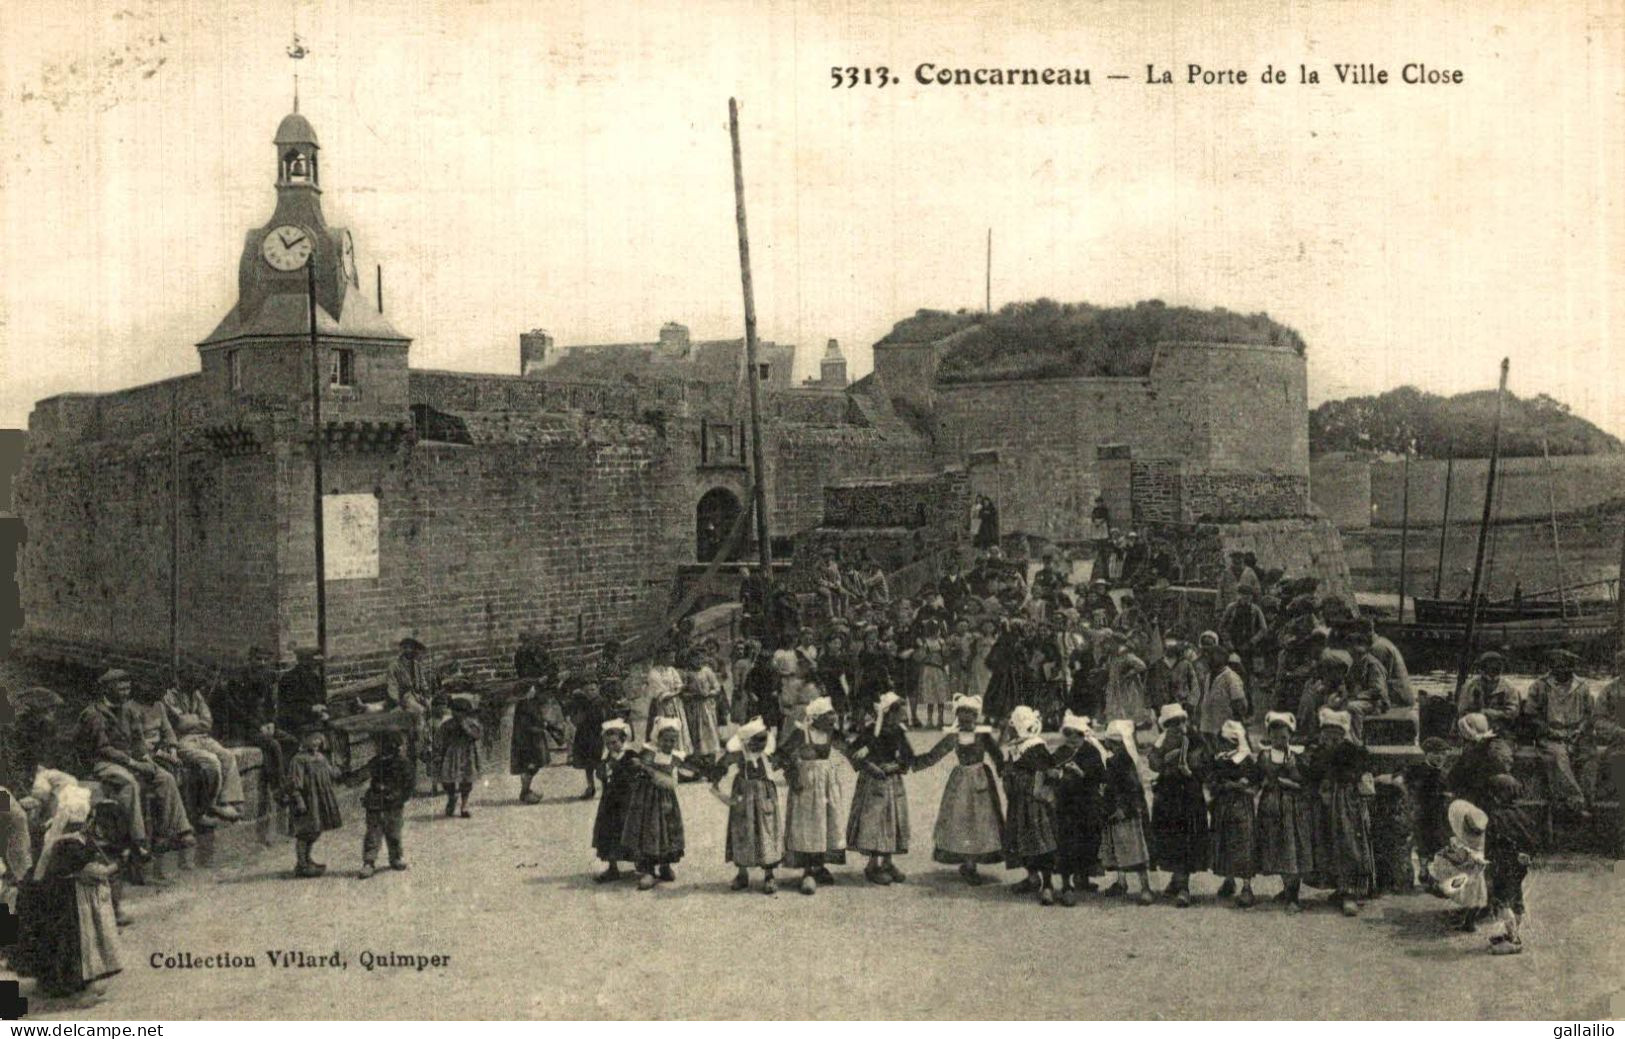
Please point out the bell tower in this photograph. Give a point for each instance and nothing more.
(260, 352)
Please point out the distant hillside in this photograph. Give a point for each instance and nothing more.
(1044, 338)
(1428, 424)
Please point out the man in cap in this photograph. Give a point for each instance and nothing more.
(1400, 691)
(1050, 581)
(410, 682)
(110, 742)
(1557, 713)
(1488, 692)
(1367, 680)
(1224, 698)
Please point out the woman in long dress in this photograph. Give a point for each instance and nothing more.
(931, 663)
(700, 699)
(1342, 770)
(1079, 807)
(1232, 783)
(877, 825)
(665, 685)
(1122, 842)
(68, 938)
(1179, 825)
(970, 820)
(814, 838)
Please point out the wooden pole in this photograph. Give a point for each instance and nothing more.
(1557, 547)
(1404, 531)
(988, 288)
(1444, 524)
(175, 535)
(1483, 533)
(316, 450)
(764, 543)
(380, 288)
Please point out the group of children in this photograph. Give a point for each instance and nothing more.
(1093, 806)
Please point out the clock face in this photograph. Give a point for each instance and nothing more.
(347, 258)
(287, 248)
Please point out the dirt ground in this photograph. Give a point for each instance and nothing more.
(508, 897)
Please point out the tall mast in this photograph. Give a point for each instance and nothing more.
(1483, 532)
(1557, 547)
(1404, 530)
(1444, 524)
(764, 545)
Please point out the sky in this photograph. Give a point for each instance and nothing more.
(515, 165)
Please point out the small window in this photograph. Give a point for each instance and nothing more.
(342, 372)
(762, 370)
(234, 369)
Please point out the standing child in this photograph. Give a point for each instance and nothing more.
(931, 662)
(1340, 767)
(970, 821)
(1179, 809)
(313, 806)
(700, 699)
(385, 801)
(1122, 845)
(1458, 868)
(457, 754)
(1080, 807)
(653, 834)
(877, 825)
(754, 835)
(1508, 843)
(1029, 839)
(619, 770)
(1233, 780)
(813, 836)
(1426, 782)
(1285, 814)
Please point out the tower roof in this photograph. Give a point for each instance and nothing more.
(294, 129)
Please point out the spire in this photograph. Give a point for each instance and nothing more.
(296, 93)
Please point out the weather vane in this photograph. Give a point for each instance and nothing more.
(297, 49)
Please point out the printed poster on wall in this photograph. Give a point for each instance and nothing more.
(350, 535)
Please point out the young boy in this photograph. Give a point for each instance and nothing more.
(1508, 843)
(385, 801)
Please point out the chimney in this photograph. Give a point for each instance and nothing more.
(535, 348)
(832, 368)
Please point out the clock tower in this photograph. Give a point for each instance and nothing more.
(260, 353)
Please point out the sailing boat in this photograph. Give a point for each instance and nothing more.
(1527, 624)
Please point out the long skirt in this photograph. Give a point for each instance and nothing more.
(702, 727)
(1284, 834)
(1179, 832)
(1122, 844)
(754, 834)
(1344, 861)
(813, 835)
(1078, 822)
(1004, 693)
(1392, 840)
(98, 933)
(459, 762)
(970, 820)
(1234, 835)
(653, 834)
(1029, 836)
(609, 825)
(51, 936)
(933, 688)
(878, 822)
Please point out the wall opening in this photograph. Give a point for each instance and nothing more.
(714, 519)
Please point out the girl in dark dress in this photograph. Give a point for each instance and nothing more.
(970, 820)
(1341, 770)
(1286, 810)
(457, 754)
(586, 707)
(755, 832)
(313, 804)
(527, 749)
(1029, 836)
(1080, 810)
(619, 771)
(653, 835)
(1122, 845)
(1233, 780)
(1006, 663)
(877, 825)
(1179, 830)
(67, 938)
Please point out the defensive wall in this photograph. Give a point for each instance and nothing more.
(163, 516)
(1215, 407)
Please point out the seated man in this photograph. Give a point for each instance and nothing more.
(832, 585)
(110, 744)
(1488, 693)
(193, 722)
(1367, 680)
(1557, 713)
(151, 719)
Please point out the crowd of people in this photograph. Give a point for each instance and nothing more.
(1218, 735)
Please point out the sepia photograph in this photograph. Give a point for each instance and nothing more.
(963, 511)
